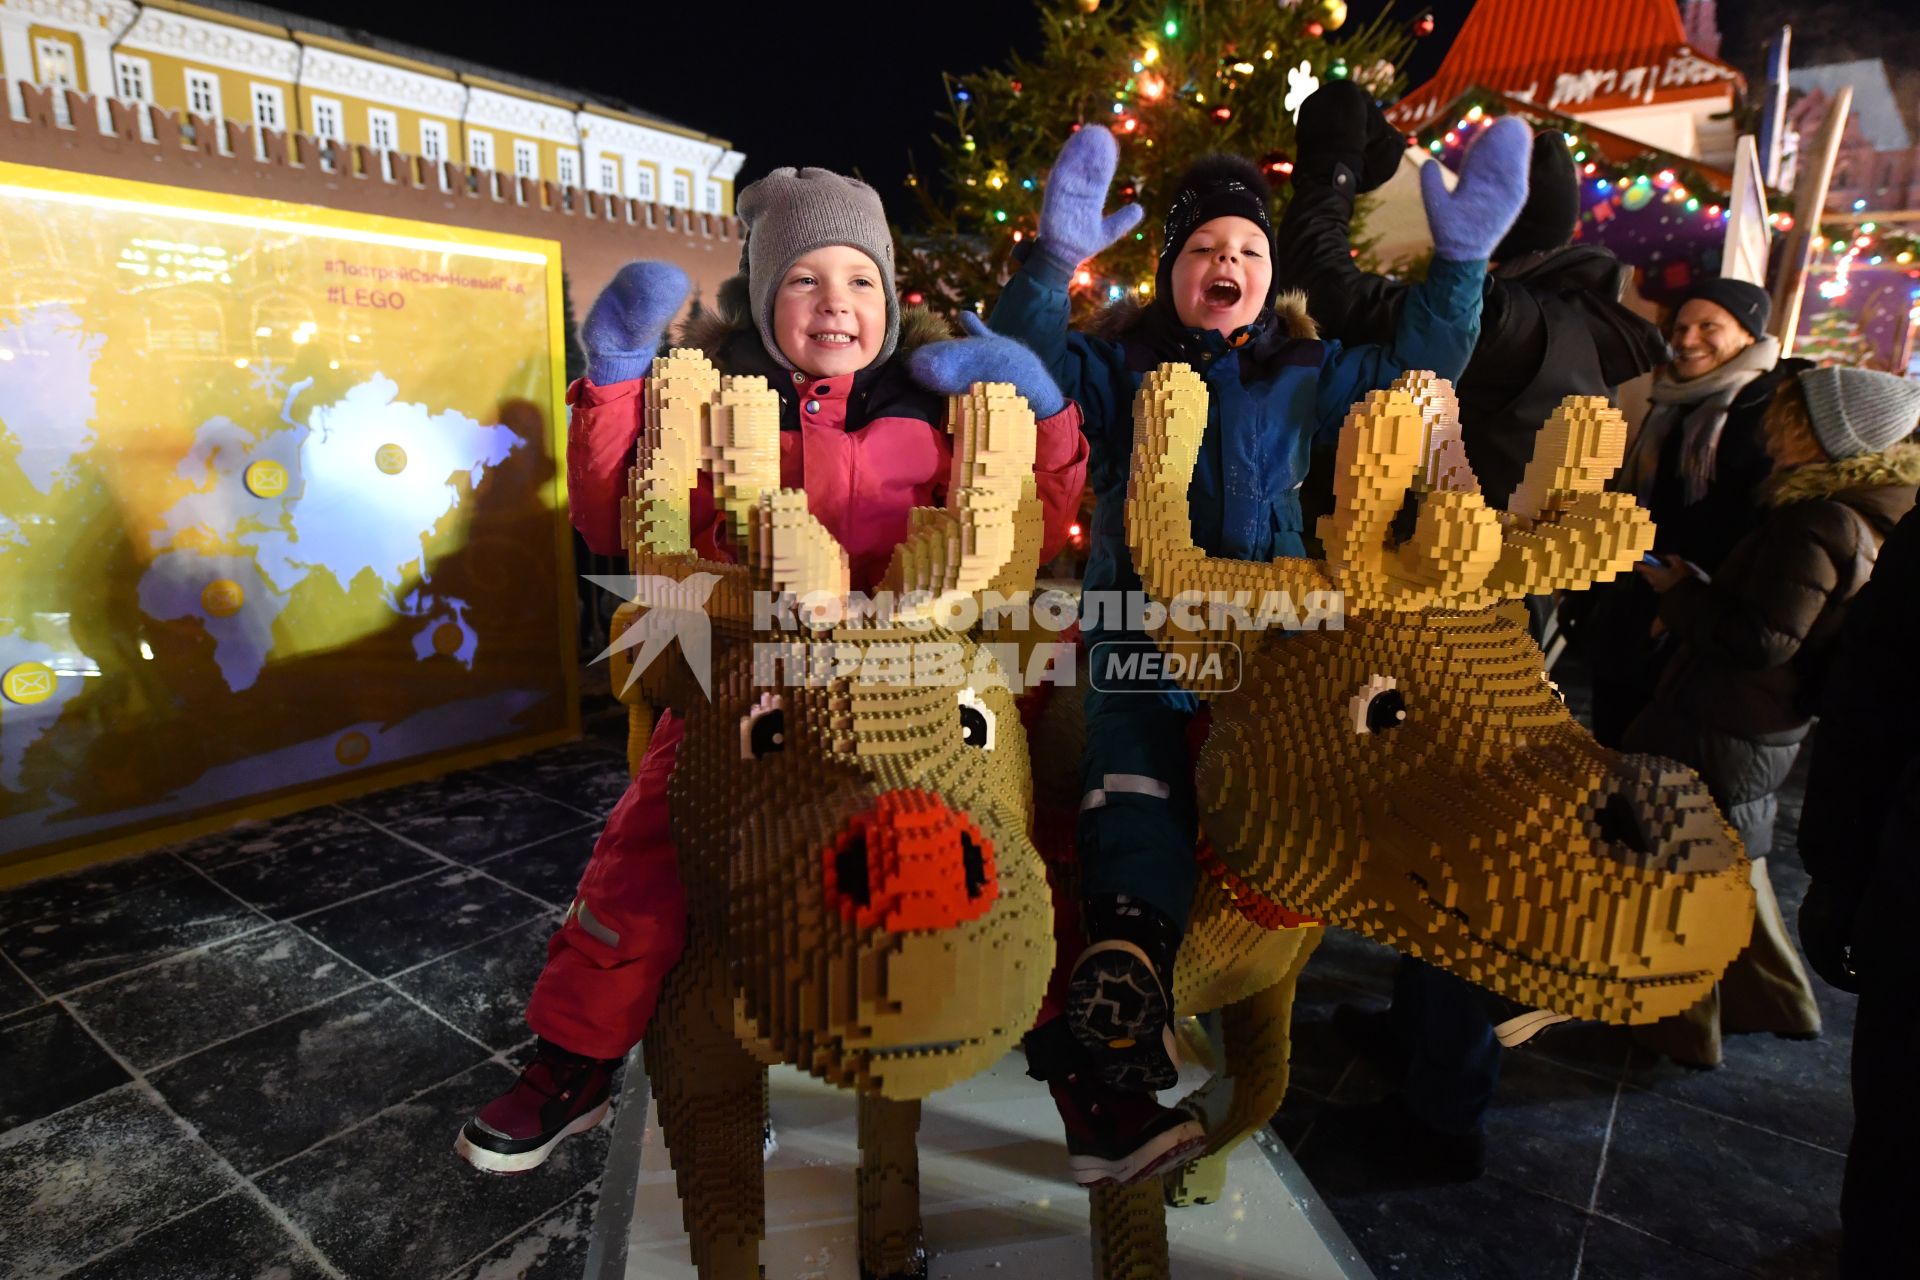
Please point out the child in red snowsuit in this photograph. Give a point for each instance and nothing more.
(862, 394)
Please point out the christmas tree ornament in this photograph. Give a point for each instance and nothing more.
(1422, 26)
(1315, 29)
(1278, 168)
(1089, 6)
(1336, 14)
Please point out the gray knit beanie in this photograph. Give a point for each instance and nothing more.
(1857, 411)
(790, 213)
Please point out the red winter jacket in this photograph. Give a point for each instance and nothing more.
(863, 469)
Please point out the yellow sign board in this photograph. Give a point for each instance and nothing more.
(281, 508)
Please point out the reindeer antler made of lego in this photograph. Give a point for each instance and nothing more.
(1382, 451)
(1563, 530)
(988, 535)
(730, 427)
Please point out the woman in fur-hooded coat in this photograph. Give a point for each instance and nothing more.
(1736, 699)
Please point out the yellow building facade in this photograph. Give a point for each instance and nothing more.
(295, 75)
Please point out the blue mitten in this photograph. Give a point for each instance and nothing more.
(1471, 220)
(625, 324)
(1071, 228)
(953, 366)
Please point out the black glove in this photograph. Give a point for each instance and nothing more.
(1342, 127)
(1826, 935)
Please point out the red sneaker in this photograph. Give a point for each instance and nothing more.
(1121, 1137)
(558, 1095)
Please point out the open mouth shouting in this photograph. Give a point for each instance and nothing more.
(1221, 293)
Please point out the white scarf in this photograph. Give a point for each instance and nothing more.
(1699, 407)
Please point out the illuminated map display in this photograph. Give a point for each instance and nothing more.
(280, 506)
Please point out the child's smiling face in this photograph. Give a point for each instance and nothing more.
(830, 312)
(1221, 279)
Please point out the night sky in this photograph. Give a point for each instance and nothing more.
(854, 85)
(851, 85)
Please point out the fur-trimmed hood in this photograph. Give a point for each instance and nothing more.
(1897, 467)
(709, 329)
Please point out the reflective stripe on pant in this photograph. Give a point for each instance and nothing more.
(609, 958)
(1138, 822)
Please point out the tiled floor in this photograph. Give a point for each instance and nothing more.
(248, 1056)
(1605, 1163)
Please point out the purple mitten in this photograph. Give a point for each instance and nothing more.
(1469, 221)
(625, 323)
(1071, 228)
(951, 367)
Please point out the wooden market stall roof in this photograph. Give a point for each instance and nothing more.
(1597, 55)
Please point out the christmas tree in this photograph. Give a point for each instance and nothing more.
(1172, 80)
(1834, 337)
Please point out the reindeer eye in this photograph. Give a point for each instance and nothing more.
(1378, 707)
(977, 721)
(763, 730)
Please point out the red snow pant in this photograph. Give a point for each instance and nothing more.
(628, 922)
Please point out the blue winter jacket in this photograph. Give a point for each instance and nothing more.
(1273, 394)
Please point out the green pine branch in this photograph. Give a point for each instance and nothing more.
(1217, 81)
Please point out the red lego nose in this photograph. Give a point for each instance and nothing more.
(909, 863)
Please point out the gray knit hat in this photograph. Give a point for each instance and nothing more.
(1857, 411)
(792, 212)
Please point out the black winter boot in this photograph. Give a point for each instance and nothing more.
(1120, 995)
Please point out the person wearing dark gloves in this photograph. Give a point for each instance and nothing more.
(1551, 326)
(1551, 323)
(1860, 840)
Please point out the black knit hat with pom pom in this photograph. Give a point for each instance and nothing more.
(1214, 186)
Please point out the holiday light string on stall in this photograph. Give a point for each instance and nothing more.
(1634, 184)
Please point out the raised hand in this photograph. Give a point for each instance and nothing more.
(951, 367)
(625, 323)
(1470, 221)
(1342, 124)
(1071, 226)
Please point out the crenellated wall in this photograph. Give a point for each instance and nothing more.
(598, 233)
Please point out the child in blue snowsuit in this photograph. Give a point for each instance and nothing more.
(1274, 393)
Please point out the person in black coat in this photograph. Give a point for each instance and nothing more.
(1551, 326)
(1697, 463)
(1551, 322)
(1860, 840)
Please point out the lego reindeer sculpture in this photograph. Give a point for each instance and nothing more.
(1414, 776)
(864, 900)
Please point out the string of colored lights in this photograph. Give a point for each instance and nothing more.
(1652, 176)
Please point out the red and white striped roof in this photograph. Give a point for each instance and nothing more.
(1596, 55)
